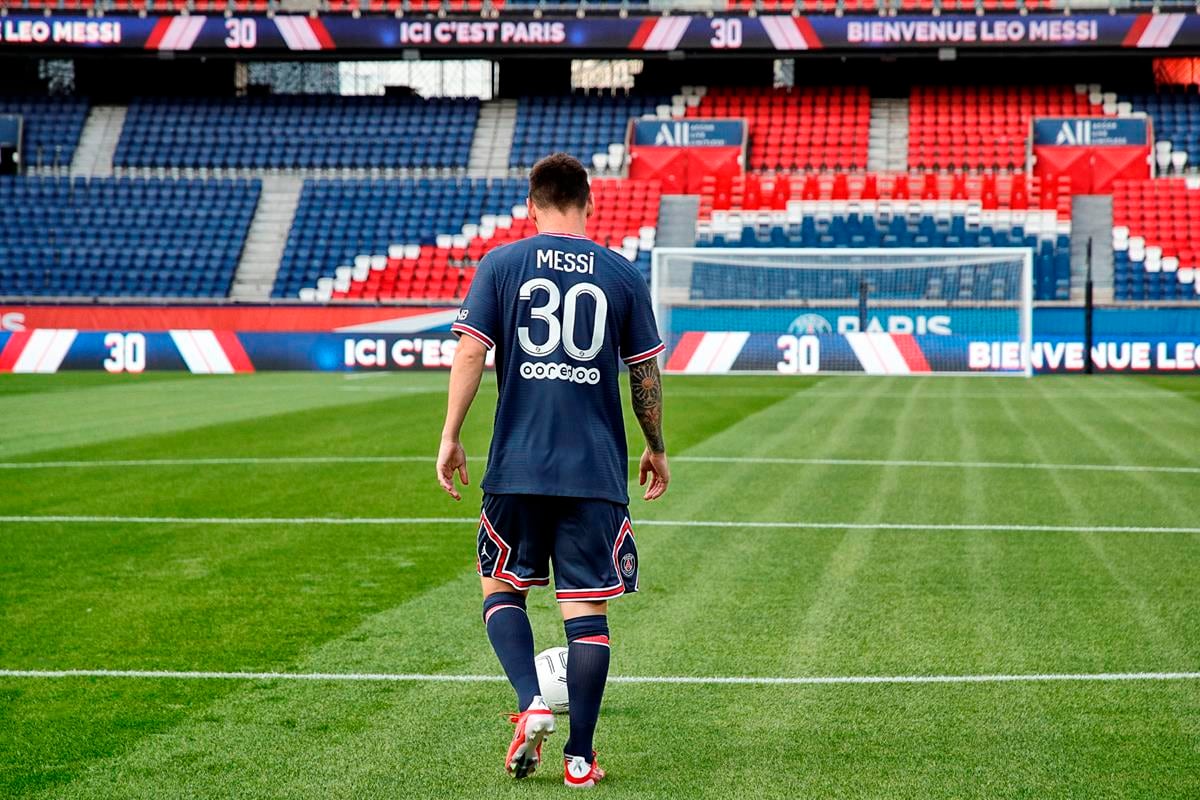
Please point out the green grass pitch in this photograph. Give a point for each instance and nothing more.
(250, 591)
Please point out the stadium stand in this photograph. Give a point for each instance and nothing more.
(795, 129)
(420, 238)
(385, 249)
(52, 127)
(339, 220)
(298, 132)
(583, 125)
(1156, 227)
(713, 281)
(802, 128)
(990, 125)
(925, 210)
(1175, 112)
(122, 237)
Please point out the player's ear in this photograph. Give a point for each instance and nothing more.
(590, 208)
(532, 210)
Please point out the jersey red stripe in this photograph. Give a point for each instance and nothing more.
(640, 357)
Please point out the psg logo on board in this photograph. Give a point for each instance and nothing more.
(628, 564)
(809, 323)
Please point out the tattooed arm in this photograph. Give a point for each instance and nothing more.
(645, 385)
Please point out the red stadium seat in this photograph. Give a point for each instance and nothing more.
(991, 124)
(623, 207)
(795, 129)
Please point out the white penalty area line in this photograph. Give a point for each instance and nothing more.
(420, 459)
(628, 679)
(84, 519)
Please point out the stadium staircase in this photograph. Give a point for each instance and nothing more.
(492, 145)
(887, 149)
(677, 218)
(267, 238)
(101, 132)
(1092, 218)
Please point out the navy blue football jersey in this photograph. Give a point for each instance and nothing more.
(562, 313)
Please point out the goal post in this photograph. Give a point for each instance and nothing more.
(878, 311)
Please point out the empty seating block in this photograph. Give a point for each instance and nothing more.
(122, 237)
(370, 240)
(927, 210)
(51, 127)
(800, 128)
(626, 220)
(1156, 227)
(988, 127)
(973, 283)
(298, 132)
(1175, 112)
(582, 125)
(338, 220)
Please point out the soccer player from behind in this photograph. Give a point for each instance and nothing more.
(561, 312)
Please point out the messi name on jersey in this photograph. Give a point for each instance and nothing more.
(583, 263)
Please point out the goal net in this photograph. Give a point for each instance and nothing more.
(878, 311)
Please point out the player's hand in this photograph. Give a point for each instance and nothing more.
(654, 466)
(452, 458)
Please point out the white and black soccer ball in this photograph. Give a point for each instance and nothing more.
(552, 678)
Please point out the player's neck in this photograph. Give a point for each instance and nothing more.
(563, 224)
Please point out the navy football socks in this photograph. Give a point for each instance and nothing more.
(587, 672)
(511, 637)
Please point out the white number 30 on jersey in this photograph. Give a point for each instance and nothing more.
(562, 331)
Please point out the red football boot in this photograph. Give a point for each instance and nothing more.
(533, 725)
(579, 774)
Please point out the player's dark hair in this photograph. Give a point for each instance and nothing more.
(560, 182)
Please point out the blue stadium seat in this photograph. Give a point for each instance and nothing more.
(337, 220)
(1175, 112)
(1051, 263)
(298, 132)
(51, 127)
(581, 125)
(122, 237)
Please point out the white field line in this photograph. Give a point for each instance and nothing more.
(216, 462)
(659, 679)
(73, 519)
(419, 459)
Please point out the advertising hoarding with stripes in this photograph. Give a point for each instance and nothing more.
(283, 33)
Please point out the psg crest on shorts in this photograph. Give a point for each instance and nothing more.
(628, 565)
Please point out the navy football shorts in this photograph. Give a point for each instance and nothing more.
(589, 542)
